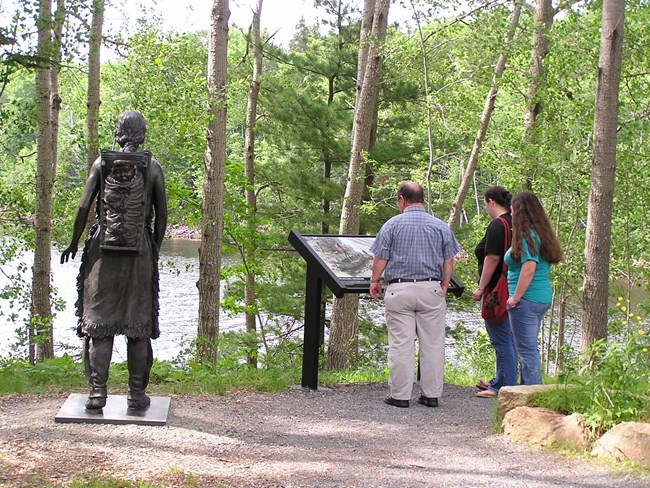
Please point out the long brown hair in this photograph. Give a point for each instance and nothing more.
(528, 216)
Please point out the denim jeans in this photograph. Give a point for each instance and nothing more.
(506, 357)
(526, 320)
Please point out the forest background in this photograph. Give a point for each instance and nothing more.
(437, 76)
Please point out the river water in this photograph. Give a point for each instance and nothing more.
(179, 298)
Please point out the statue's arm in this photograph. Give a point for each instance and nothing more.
(90, 192)
(159, 201)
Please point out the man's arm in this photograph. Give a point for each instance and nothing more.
(447, 270)
(378, 267)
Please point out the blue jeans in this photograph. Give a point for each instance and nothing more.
(526, 320)
(506, 357)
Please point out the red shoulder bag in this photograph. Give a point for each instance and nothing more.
(493, 307)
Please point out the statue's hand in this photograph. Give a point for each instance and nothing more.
(70, 250)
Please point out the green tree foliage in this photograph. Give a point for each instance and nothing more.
(306, 106)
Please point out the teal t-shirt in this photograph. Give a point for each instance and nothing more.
(539, 289)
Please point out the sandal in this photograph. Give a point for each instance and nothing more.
(487, 394)
(483, 385)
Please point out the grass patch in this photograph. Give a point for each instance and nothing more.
(58, 374)
(167, 377)
(354, 376)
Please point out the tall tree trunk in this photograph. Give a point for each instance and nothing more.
(41, 309)
(93, 100)
(345, 325)
(543, 19)
(213, 186)
(327, 152)
(250, 257)
(488, 108)
(45, 346)
(603, 171)
(367, 19)
(425, 75)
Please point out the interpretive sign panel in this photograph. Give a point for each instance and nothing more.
(344, 264)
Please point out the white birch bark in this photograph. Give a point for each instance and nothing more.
(488, 108)
(213, 185)
(344, 325)
(249, 170)
(603, 172)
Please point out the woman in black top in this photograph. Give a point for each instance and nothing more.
(489, 253)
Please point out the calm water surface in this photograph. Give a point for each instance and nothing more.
(179, 298)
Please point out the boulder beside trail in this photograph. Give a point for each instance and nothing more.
(628, 441)
(511, 397)
(545, 427)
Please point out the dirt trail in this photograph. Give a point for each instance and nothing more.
(345, 437)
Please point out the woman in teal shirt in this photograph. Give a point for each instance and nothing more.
(534, 248)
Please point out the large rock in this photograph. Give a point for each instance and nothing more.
(545, 427)
(627, 441)
(511, 397)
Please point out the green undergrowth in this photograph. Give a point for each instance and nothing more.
(173, 477)
(52, 375)
(167, 377)
(60, 375)
(611, 388)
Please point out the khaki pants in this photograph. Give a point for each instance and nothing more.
(415, 309)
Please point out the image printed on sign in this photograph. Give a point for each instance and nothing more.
(346, 257)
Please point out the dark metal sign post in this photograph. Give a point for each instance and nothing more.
(311, 344)
(344, 264)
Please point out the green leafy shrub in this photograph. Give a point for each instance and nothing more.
(18, 376)
(612, 385)
(473, 356)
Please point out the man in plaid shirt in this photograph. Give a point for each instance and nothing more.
(415, 251)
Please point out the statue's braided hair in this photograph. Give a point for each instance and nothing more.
(130, 129)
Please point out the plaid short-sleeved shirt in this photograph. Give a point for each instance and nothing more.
(415, 244)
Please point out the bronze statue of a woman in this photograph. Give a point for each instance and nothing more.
(118, 277)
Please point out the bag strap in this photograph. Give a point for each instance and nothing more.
(506, 228)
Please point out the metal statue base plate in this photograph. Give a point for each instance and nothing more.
(74, 411)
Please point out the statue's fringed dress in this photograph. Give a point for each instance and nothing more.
(118, 291)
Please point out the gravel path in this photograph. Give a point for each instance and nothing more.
(344, 437)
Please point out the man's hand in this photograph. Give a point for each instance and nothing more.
(71, 250)
(375, 290)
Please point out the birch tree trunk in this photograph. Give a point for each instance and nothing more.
(367, 18)
(603, 171)
(488, 108)
(543, 21)
(93, 98)
(345, 324)
(40, 324)
(425, 75)
(213, 186)
(250, 255)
